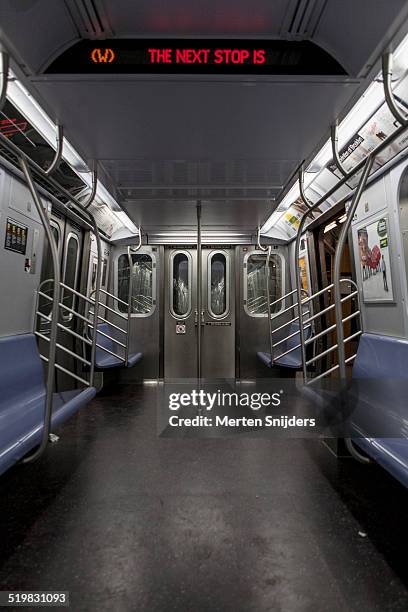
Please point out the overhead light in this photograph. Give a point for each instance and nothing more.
(342, 219)
(128, 223)
(330, 227)
(32, 111)
(370, 101)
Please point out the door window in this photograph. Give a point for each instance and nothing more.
(70, 272)
(218, 285)
(256, 303)
(143, 283)
(180, 289)
(47, 273)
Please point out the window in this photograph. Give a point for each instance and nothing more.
(70, 273)
(218, 284)
(255, 298)
(143, 283)
(47, 268)
(94, 271)
(180, 290)
(104, 272)
(47, 273)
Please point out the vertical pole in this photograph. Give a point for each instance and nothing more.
(130, 305)
(268, 297)
(337, 264)
(387, 63)
(97, 299)
(4, 70)
(199, 283)
(54, 313)
(298, 279)
(58, 150)
(130, 294)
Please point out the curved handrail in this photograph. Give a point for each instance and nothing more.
(387, 65)
(337, 262)
(335, 149)
(4, 70)
(58, 152)
(258, 244)
(54, 319)
(268, 259)
(92, 195)
(301, 178)
(131, 250)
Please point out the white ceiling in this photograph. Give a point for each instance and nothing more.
(179, 131)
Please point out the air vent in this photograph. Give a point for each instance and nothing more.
(90, 18)
(302, 18)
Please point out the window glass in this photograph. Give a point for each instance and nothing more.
(256, 283)
(71, 267)
(104, 272)
(94, 271)
(45, 305)
(142, 283)
(218, 285)
(181, 298)
(47, 269)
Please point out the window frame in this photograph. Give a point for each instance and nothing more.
(68, 316)
(227, 283)
(137, 315)
(185, 316)
(245, 283)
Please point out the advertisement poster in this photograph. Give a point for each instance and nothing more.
(375, 266)
(303, 272)
(292, 217)
(381, 125)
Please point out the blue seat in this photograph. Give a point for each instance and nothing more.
(22, 399)
(104, 360)
(379, 392)
(291, 360)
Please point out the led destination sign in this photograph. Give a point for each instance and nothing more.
(195, 57)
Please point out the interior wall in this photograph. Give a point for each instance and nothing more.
(20, 278)
(381, 200)
(384, 198)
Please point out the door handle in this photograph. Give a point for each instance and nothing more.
(196, 317)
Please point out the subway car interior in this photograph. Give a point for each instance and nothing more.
(204, 305)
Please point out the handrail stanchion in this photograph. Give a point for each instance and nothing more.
(302, 186)
(4, 70)
(259, 245)
(268, 297)
(310, 208)
(130, 301)
(58, 152)
(337, 264)
(92, 195)
(335, 149)
(97, 297)
(387, 62)
(54, 316)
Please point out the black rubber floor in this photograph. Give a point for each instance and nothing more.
(125, 520)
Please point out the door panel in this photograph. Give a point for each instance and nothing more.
(218, 331)
(145, 318)
(217, 317)
(180, 316)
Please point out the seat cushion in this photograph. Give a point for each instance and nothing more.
(381, 410)
(106, 361)
(22, 398)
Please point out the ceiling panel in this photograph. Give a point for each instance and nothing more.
(243, 137)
